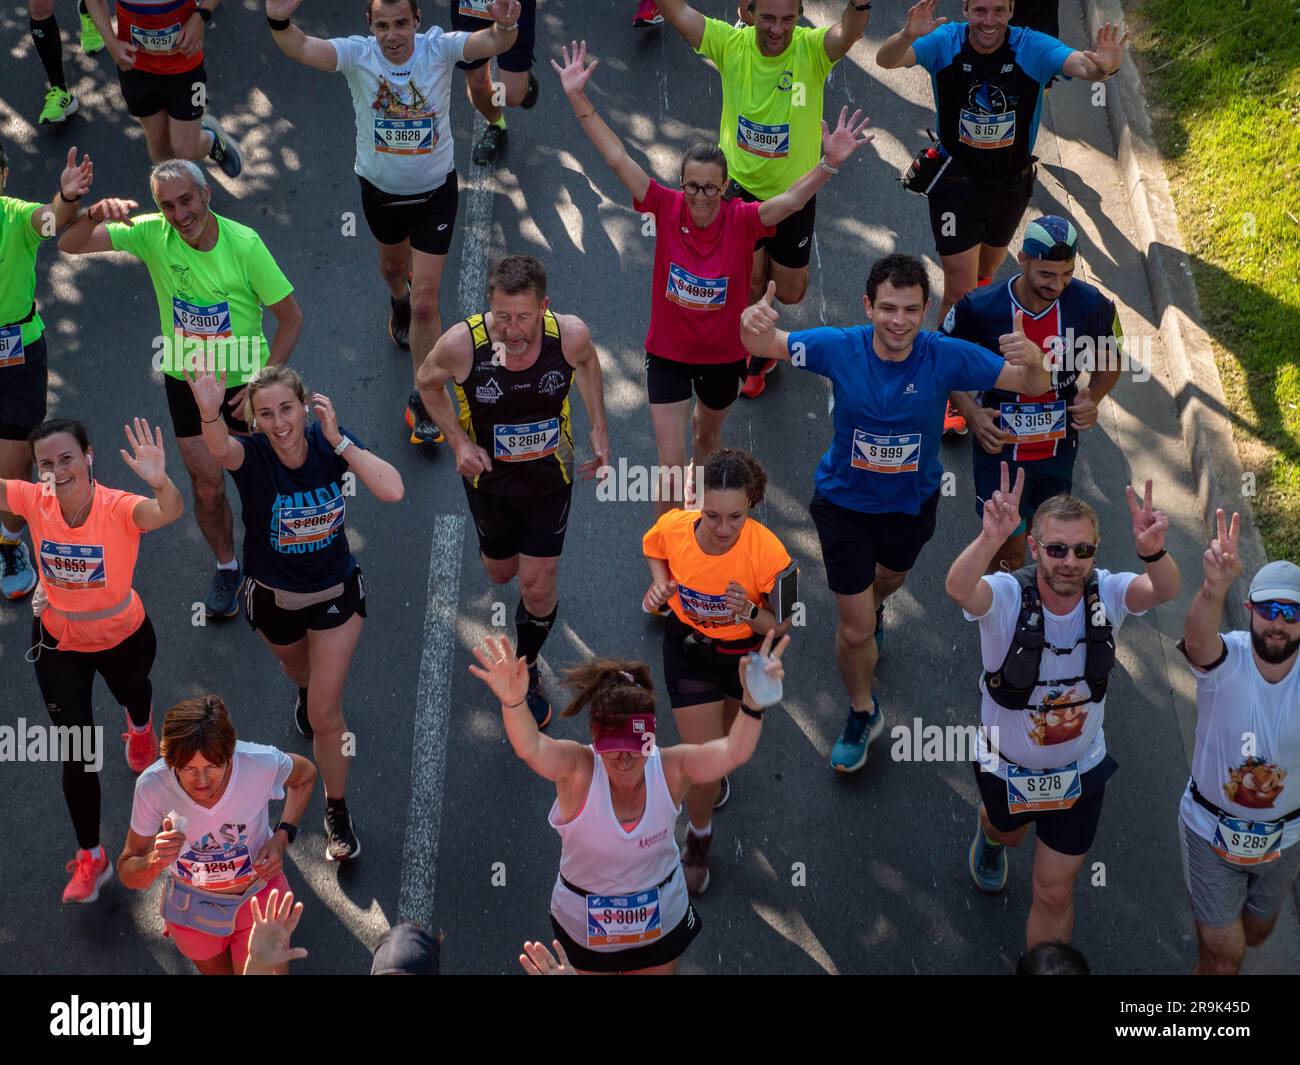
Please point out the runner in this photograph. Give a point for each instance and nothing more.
(1238, 824)
(1039, 434)
(400, 82)
(304, 591)
(201, 814)
(987, 78)
(92, 621)
(212, 278)
(703, 257)
(158, 48)
(518, 87)
(23, 368)
(716, 568)
(618, 904)
(772, 76)
(1043, 759)
(877, 486)
(511, 369)
(59, 101)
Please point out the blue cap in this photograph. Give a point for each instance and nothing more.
(1050, 237)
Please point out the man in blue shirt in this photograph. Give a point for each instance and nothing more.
(877, 485)
(988, 79)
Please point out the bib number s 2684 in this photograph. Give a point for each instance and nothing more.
(1033, 790)
(623, 920)
(1248, 842)
(523, 443)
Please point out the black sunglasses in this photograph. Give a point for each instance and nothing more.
(1061, 550)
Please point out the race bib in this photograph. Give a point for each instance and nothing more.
(226, 869)
(156, 42)
(523, 443)
(769, 142)
(1034, 423)
(614, 920)
(73, 567)
(197, 320)
(1248, 842)
(886, 454)
(698, 293)
(310, 525)
(706, 609)
(405, 136)
(987, 131)
(11, 346)
(1032, 790)
(474, 8)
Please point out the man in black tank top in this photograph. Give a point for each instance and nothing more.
(511, 371)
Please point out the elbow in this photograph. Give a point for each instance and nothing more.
(395, 491)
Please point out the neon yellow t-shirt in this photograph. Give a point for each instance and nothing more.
(18, 244)
(207, 300)
(771, 129)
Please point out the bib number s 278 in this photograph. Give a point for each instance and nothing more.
(1034, 423)
(886, 454)
(523, 443)
(405, 136)
(769, 142)
(623, 920)
(987, 131)
(1033, 790)
(11, 346)
(1248, 842)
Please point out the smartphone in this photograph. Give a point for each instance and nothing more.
(785, 594)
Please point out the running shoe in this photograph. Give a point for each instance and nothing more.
(225, 152)
(723, 794)
(59, 104)
(647, 14)
(17, 578)
(953, 423)
(534, 91)
(300, 719)
(695, 862)
(850, 751)
(341, 843)
(756, 378)
(92, 40)
(399, 321)
(423, 431)
(222, 600)
(537, 702)
(141, 747)
(490, 145)
(988, 863)
(880, 627)
(88, 874)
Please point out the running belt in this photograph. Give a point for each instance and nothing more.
(1201, 800)
(584, 893)
(23, 321)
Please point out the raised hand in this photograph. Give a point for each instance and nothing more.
(771, 660)
(921, 20)
(504, 12)
(538, 961)
(209, 390)
(76, 177)
(1149, 526)
(281, 8)
(329, 420)
(501, 670)
(1002, 512)
(846, 138)
(761, 318)
(166, 845)
(1108, 52)
(112, 210)
(1222, 563)
(147, 460)
(575, 73)
(268, 940)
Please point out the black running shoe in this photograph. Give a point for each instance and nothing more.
(537, 702)
(490, 145)
(399, 321)
(300, 719)
(341, 843)
(423, 431)
(534, 90)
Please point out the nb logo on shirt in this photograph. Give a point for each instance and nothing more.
(910, 390)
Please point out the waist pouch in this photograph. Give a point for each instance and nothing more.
(208, 912)
(302, 600)
(704, 652)
(928, 166)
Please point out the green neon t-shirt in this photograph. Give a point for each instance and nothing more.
(18, 244)
(771, 131)
(207, 300)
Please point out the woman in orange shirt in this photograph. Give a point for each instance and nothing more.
(92, 621)
(710, 572)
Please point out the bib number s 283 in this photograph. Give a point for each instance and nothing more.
(1248, 842)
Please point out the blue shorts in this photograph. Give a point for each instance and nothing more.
(1044, 478)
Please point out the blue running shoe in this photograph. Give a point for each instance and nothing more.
(988, 863)
(17, 578)
(537, 702)
(850, 751)
(222, 600)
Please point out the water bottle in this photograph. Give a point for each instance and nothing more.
(764, 689)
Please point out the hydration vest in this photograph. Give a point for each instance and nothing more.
(1015, 680)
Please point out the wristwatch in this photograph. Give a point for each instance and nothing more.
(203, 13)
(342, 446)
(753, 612)
(860, 7)
(290, 830)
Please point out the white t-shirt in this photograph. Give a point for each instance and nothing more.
(1247, 756)
(404, 140)
(221, 842)
(1039, 737)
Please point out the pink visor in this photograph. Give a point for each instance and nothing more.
(628, 735)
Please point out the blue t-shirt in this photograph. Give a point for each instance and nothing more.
(988, 107)
(294, 519)
(888, 418)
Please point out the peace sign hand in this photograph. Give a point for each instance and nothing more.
(1149, 526)
(1002, 512)
(1222, 563)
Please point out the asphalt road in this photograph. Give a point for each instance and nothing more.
(442, 805)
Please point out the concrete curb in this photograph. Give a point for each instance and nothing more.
(1194, 378)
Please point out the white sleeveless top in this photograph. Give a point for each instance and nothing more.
(600, 857)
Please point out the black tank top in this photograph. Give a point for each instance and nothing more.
(519, 417)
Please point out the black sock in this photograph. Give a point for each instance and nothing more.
(302, 694)
(531, 631)
(340, 805)
(49, 46)
(81, 8)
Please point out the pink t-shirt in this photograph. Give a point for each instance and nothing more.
(701, 277)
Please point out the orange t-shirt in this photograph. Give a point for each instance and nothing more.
(85, 569)
(753, 561)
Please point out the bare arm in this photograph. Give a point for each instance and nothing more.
(288, 328)
(298, 788)
(580, 353)
(846, 33)
(144, 858)
(495, 39)
(965, 584)
(451, 358)
(685, 20)
(1201, 640)
(88, 232)
(574, 76)
(1161, 581)
(703, 763)
(148, 462)
(379, 476)
(897, 51)
(758, 331)
(309, 51)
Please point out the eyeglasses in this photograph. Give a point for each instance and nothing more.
(1061, 550)
(1272, 610)
(710, 190)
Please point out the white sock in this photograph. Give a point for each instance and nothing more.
(231, 565)
(138, 729)
(7, 533)
(700, 833)
(96, 852)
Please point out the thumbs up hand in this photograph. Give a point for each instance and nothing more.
(760, 319)
(1017, 348)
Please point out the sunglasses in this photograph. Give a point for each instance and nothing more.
(1272, 610)
(1061, 550)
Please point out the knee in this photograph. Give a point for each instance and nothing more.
(1221, 962)
(857, 635)
(1056, 898)
(208, 494)
(1257, 932)
(424, 306)
(40, 10)
(955, 286)
(790, 292)
(500, 572)
(515, 94)
(537, 592)
(392, 270)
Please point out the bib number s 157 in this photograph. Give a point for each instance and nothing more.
(987, 131)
